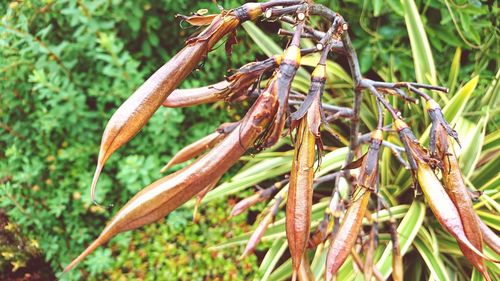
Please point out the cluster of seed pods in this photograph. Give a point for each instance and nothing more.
(265, 123)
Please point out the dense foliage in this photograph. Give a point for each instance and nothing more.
(67, 65)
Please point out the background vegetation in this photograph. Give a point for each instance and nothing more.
(65, 66)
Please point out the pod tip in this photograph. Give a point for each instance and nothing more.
(94, 182)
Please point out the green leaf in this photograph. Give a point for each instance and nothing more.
(423, 244)
(425, 69)
(407, 230)
(272, 257)
(454, 70)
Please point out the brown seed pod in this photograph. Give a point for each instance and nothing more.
(345, 238)
(235, 87)
(444, 209)
(459, 194)
(489, 236)
(199, 198)
(300, 191)
(254, 240)
(454, 183)
(248, 202)
(285, 75)
(195, 149)
(133, 114)
(161, 197)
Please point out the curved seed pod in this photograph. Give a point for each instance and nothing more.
(248, 202)
(459, 194)
(200, 196)
(300, 191)
(345, 238)
(288, 68)
(368, 267)
(397, 259)
(444, 209)
(440, 203)
(235, 87)
(489, 236)
(133, 114)
(196, 148)
(161, 197)
(254, 240)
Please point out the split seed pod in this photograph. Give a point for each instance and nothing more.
(455, 185)
(193, 150)
(440, 203)
(300, 191)
(489, 237)
(135, 112)
(235, 87)
(286, 73)
(254, 240)
(345, 238)
(161, 197)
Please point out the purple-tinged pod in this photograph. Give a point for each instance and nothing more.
(248, 202)
(256, 236)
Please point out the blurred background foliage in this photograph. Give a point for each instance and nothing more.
(66, 65)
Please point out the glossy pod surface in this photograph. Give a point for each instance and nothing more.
(300, 191)
(133, 114)
(161, 197)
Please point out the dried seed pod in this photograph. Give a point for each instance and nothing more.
(345, 238)
(196, 148)
(254, 240)
(439, 122)
(300, 191)
(200, 196)
(440, 203)
(459, 194)
(286, 73)
(489, 236)
(397, 259)
(133, 114)
(161, 197)
(235, 87)
(248, 202)
(197, 19)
